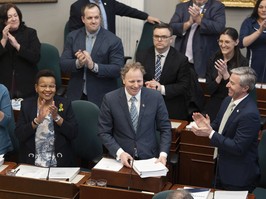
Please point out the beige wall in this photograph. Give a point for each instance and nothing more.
(49, 18)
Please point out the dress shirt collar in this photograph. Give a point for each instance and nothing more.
(164, 54)
(129, 96)
(94, 34)
(236, 102)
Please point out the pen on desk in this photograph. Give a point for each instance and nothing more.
(17, 170)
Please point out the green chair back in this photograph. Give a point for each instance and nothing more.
(146, 40)
(50, 60)
(162, 194)
(87, 146)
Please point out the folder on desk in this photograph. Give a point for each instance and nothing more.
(56, 173)
(198, 193)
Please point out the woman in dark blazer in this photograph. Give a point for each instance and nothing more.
(46, 126)
(218, 70)
(19, 53)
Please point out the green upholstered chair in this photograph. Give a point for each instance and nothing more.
(87, 146)
(50, 60)
(162, 194)
(260, 191)
(146, 40)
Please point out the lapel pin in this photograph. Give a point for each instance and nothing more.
(143, 105)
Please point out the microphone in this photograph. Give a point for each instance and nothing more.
(131, 170)
(215, 176)
(51, 158)
(135, 51)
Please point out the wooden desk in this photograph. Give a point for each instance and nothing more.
(27, 188)
(176, 135)
(114, 193)
(10, 165)
(178, 186)
(196, 164)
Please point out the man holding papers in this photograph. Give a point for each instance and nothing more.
(131, 117)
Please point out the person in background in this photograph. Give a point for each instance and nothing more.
(179, 194)
(235, 134)
(253, 37)
(5, 119)
(130, 118)
(218, 70)
(93, 56)
(19, 53)
(197, 25)
(174, 79)
(46, 126)
(109, 10)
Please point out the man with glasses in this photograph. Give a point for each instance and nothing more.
(167, 71)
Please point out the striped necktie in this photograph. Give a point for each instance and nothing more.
(227, 114)
(134, 113)
(158, 68)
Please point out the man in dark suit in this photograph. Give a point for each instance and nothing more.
(235, 133)
(126, 137)
(109, 9)
(174, 81)
(197, 25)
(94, 57)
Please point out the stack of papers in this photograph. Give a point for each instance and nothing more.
(148, 168)
(56, 173)
(2, 159)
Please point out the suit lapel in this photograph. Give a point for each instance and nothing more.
(97, 44)
(167, 65)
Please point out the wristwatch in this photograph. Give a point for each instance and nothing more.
(57, 118)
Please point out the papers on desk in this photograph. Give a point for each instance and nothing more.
(148, 168)
(108, 164)
(56, 173)
(198, 193)
(2, 159)
(230, 194)
(175, 125)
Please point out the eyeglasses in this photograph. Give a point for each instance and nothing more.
(44, 86)
(158, 37)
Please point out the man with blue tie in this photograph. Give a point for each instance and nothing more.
(131, 117)
(93, 56)
(235, 133)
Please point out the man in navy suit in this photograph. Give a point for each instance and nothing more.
(197, 25)
(237, 136)
(174, 81)
(120, 136)
(93, 56)
(109, 9)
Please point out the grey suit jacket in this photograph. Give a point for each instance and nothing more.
(107, 52)
(116, 129)
(238, 145)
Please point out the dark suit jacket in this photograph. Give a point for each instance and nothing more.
(206, 35)
(107, 52)
(116, 129)
(175, 77)
(63, 135)
(20, 67)
(237, 146)
(112, 8)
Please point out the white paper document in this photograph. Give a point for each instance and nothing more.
(198, 193)
(230, 194)
(108, 164)
(175, 125)
(56, 173)
(148, 168)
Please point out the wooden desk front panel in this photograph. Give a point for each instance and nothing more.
(196, 164)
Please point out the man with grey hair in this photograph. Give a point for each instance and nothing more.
(179, 194)
(234, 132)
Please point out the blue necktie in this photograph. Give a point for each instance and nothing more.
(158, 68)
(134, 113)
(89, 42)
